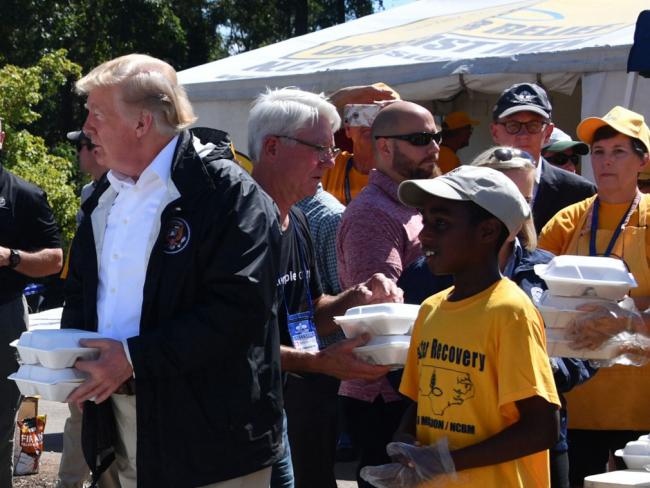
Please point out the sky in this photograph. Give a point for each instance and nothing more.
(395, 3)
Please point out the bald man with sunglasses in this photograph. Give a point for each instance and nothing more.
(379, 234)
(522, 119)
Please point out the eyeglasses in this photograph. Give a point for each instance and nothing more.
(417, 138)
(324, 152)
(532, 126)
(507, 154)
(560, 159)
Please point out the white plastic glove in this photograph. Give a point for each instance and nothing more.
(416, 465)
(612, 324)
(603, 322)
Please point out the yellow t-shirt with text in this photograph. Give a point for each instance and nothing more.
(469, 362)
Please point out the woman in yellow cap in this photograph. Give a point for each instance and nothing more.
(613, 407)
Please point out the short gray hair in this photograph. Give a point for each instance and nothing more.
(527, 234)
(146, 82)
(285, 111)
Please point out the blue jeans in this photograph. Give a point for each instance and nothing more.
(282, 470)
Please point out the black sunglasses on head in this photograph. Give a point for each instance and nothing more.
(560, 158)
(417, 138)
(506, 154)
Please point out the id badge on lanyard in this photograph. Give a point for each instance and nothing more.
(303, 331)
(302, 328)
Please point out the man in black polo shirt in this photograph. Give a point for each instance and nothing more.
(30, 247)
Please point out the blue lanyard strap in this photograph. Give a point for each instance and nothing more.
(619, 228)
(303, 264)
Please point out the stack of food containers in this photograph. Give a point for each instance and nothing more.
(389, 324)
(636, 454)
(574, 281)
(47, 358)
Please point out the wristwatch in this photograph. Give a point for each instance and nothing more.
(14, 258)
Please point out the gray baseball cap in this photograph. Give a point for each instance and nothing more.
(486, 187)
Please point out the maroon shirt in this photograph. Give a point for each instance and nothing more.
(378, 234)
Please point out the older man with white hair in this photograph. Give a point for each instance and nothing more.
(291, 143)
(175, 263)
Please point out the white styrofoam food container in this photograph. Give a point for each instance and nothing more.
(50, 384)
(618, 479)
(385, 350)
(575, 276)
(637, 448)
(57, 358)
(558, 311)
(55, 348)
(379, 319)
(50, 339)
(558, 346)
(633, 461)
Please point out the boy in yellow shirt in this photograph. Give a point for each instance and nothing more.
(486, 403)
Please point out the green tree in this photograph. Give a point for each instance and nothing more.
(251, 24)
(26, 154)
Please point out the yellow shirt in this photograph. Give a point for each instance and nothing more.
(616, 398)
(469, 362)
(334, 179)
(447, 160)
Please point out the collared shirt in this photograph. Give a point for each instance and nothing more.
(378, 234)
(127, 222)
(324, 214)
(538, 172)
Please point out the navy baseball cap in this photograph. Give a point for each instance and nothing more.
(522, 97)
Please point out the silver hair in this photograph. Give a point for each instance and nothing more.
(285, 111)
(527, 235)
(147, 83)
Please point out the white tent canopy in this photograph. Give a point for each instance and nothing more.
(435, 49)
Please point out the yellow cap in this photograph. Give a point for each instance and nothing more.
(456, 120)
(620, 119)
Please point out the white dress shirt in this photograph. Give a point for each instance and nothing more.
(126, 224)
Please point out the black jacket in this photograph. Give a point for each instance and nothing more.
(207, 360)
(558, 189)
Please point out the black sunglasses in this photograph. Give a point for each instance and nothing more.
(560, 158)
(506, 154)
(417, 138)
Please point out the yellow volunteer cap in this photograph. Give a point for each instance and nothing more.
(620, 119)
(456, 120)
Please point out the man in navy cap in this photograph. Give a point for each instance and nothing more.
(522, 119)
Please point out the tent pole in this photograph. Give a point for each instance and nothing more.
(630, 89)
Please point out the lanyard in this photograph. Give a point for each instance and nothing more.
(303, 264)
(619, 228)
(348, 168)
